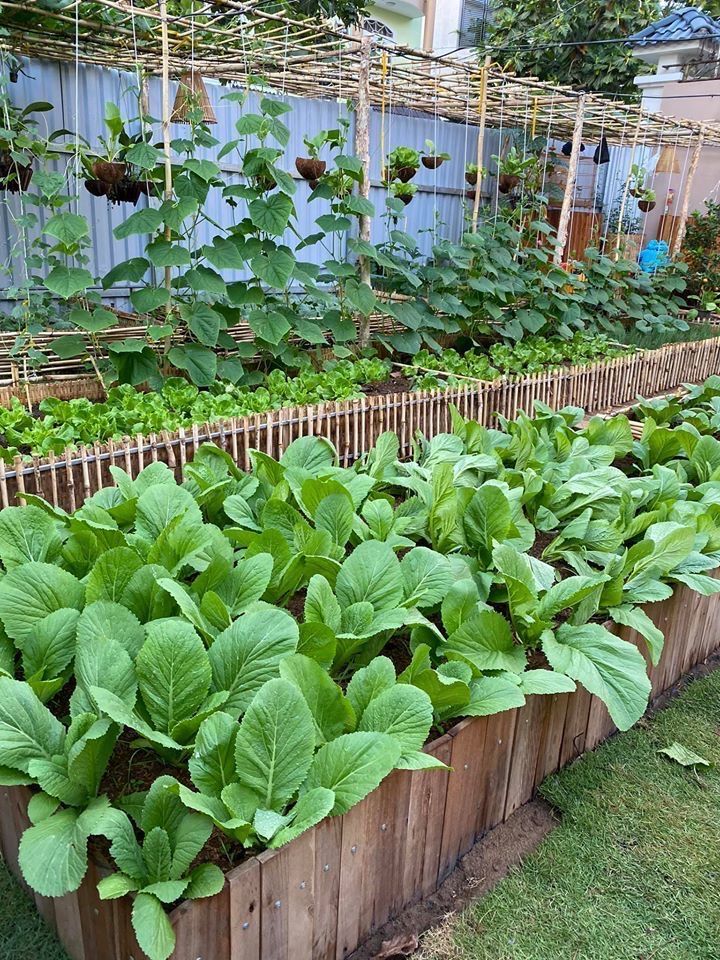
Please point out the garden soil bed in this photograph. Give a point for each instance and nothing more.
(323, 895)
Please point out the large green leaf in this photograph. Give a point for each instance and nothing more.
(26, 534)
(173, 672)
(369, 682)
(637, 619)
(310, 809)
(352, 766)
(68, 228)
(490, 695)
(404, 711)
(200, 363)
(485, 641)
(487, 519)
(271, 214)
(152, 926)
(104, 620)
(160, 504)
(113, 571)
(103, 661)
(203, 322)
(427, 577)
(30, 592)
(51, 646)
(275, 743)
(249, 652)
(67, 281)
(142, 221)
(611, 668)
(371, 573)
(212, 765)
(28, 730)
(331, 712)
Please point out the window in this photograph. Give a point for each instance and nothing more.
(377, 28)
(474, 21)
(706, 66)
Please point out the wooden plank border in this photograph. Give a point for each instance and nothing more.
(353, 426)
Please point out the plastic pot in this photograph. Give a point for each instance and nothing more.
(109, 171)
(310, 169)
(432, 163)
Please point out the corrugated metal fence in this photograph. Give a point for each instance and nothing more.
(79, 97)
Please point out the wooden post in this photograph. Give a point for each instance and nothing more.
(362, 151)
(567, 203)
(481, 140)
(685, 206)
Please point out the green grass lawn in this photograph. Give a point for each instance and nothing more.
(632, 872)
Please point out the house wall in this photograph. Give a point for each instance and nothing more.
(406, 30)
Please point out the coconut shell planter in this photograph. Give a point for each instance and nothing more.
(310, 169)
(404, 173)
(432, 163)
(109, 171)
(14, 177)
(507, 182)
(123, 191)
(471, 178)
(646, 205)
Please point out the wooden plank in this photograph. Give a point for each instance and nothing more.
(126, 945)
(328, 843)
(69, 926)
(465, 791)
(528, 735)
(202, 928)
(599, 726)
(351, 870)
(426, 809)
(244, 906)
(286, 892)
(552, 738)
(499, 740)
(575, 730)
(95, 916)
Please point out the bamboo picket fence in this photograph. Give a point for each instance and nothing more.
(353, 426)
(322, 895)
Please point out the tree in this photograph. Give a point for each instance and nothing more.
(526, 34)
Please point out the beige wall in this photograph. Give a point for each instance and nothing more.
(693, 100)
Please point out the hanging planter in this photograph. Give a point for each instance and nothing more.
(646, 205)
(404, 173)
(471, 178)
(109, 171)
(126, 191)
(402, 163)
(431, 158)
(14, 176)
(470, 194)
(310, 168)
(507, 182)
(98, 188)
(192, 96)
(404, 191)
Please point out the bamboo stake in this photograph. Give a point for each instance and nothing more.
(481, 140)
(685, 207)
(567, 202)
(362, 150)
(626, 190)
(166, 114)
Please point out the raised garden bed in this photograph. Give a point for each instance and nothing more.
(323, 894)
(354, 425)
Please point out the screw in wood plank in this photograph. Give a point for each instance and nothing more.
(353, 849)
(302, 885)
(326, 868)
(383, 827)
(246, 925)
(466, 766)
(278, 904)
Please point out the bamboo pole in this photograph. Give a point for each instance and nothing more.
(166, 113)
(480, 140)
(626, 191)
(362, 150)
(685, 206)
(567, 202)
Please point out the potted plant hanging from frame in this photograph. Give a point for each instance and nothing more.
(403, 191)
(20, 143)
(122, 169)
(645, 199)
(431, 158)
(511, 169)
(402, 164)
(473, 173)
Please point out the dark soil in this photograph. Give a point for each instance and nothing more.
(394, 384)
(542, 540)
(476, 874)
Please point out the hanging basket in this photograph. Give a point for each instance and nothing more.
(507, 182)
(14, 177)
(646, 205)
(191, 95)
(310, 169)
